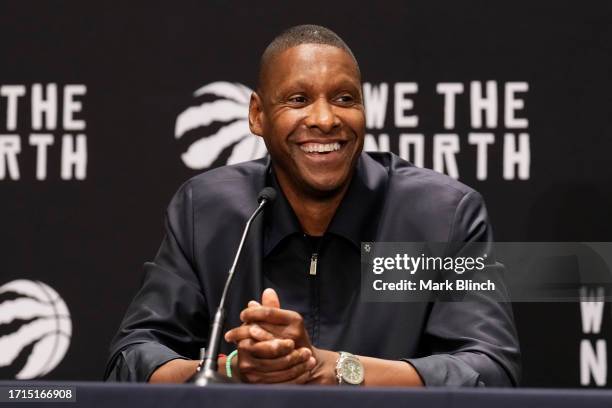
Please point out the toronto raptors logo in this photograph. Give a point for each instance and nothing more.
(218, 127)
(35, 329)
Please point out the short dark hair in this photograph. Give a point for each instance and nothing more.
(298, 35)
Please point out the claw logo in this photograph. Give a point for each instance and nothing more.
(216, 130)
(35, 329)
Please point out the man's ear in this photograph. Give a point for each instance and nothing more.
(256, 114)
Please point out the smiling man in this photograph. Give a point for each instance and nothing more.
(310, 325)
(309, 110)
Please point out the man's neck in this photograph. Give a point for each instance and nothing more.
(313, 213)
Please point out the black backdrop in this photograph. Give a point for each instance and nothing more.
(138, 64)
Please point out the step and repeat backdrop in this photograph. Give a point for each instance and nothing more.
(105, 109)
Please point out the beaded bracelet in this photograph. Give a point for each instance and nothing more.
(228, 363)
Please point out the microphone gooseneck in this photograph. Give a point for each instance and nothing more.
(207, 373)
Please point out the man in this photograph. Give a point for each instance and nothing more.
(311, 321)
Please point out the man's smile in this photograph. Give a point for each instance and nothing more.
(320, 147)
(326, 154)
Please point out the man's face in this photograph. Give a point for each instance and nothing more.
(310, 113)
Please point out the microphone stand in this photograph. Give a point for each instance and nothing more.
(207, 370)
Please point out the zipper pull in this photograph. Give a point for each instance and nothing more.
(313, 264)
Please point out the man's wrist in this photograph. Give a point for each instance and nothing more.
(221, 365)
(222, 360)
(324, 372)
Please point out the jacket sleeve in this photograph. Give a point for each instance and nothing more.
(471, 341)
(168, 317)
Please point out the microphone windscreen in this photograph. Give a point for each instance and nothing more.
(268, 194)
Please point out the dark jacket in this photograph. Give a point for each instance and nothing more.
(467, 343)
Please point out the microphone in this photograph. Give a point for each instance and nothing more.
(207, 370)
(268, 194)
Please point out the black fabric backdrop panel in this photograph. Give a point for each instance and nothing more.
(136, 68)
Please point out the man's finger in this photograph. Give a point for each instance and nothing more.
(258, 333)
(267, 365)
(289, 375)
(269, 298)
(280, 331)
(268, 349)
(302, 379)
(270, 315)
(253, 303)
(237, 334)
(246, 331)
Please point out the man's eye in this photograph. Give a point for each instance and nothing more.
(345, 99)
(297, 99)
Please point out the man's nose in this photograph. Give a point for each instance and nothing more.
(322, 116)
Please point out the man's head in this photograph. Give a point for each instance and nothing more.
(308, 107)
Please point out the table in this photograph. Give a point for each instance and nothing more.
(113, 395)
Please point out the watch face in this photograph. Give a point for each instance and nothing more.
(352, 371)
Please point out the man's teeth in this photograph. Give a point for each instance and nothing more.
(320, 147)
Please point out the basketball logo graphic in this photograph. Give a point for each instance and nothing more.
(218, 127)
(35, 329)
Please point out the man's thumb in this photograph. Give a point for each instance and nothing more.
(269, 298)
